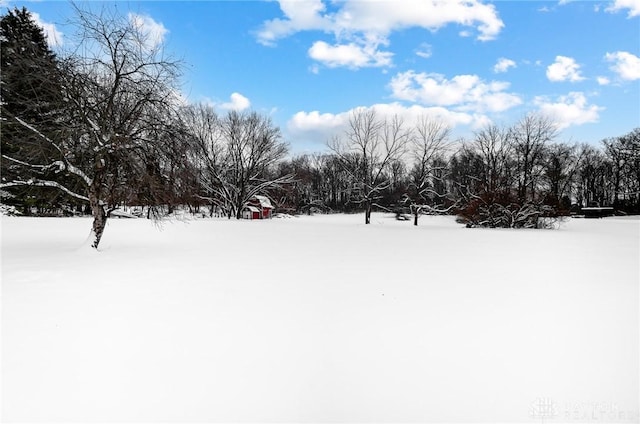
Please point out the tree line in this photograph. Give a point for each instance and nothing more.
(103, 126)
(501, 177)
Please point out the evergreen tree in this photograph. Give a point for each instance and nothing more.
(119, 104)
(30, 92)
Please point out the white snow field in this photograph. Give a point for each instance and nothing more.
(319, 319)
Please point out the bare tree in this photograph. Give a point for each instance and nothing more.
(235, 155)
(336, 181)
(308, 193)
(208, 155)
(623, 153)
(115, 84)
(591, 177)
(253, 145)
(561, 166)
(495, 148)
(429, 143)
(508, 165)
(368, 149)
(530, 136)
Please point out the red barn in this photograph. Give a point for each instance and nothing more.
(258, 207)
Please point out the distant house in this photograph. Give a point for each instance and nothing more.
(258, 207)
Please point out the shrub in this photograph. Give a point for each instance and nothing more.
(504, 211)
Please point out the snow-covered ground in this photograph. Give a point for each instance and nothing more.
(319, 319)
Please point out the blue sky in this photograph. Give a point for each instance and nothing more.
(309, 63)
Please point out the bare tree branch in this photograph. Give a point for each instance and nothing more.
(44, 183)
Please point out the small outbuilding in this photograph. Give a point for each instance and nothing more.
(598, 212)
(258, 207)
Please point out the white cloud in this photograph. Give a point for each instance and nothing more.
(632, 5)
(503, 65)
(362, 26)
(152, 32)
(383, 17)
(316, 121)
(55, 38)
(356, 16)
(318, 128)
(564, 69)
(300, 15)
(625, 64)
(463, 92)
(603, 80)
(412, 113)
(424, 51)
(349, 55)
(572, 109)
(237, 102)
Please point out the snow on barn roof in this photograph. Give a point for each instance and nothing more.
(252, 208)
(264, 201)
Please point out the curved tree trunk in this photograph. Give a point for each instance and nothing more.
(99, 222)
(97, 210)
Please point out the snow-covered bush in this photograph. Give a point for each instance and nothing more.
(8, 210)
(506, 212)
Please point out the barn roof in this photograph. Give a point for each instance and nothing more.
(252, 208)
(264, 201)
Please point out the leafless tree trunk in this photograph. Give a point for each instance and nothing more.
(429, 142)
(368, 149)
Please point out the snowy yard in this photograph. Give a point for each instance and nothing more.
(319, 319)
